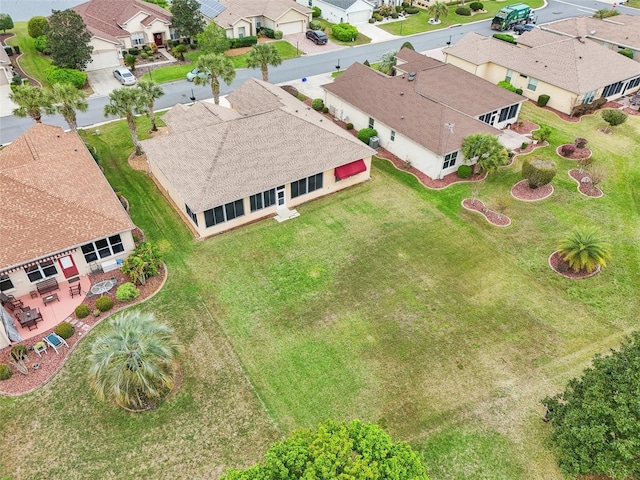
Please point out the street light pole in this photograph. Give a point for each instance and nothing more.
(296, 48)
(338, 65)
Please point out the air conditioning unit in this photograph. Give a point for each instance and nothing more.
(374, 142)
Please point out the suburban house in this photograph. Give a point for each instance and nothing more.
(572, 71)
(343, 11)
(424, 112)
(243, 18)
(60, 216)
(117, 25)
(615, 33)
(225, 167)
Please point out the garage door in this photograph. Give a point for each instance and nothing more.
(291, 27)
(357, 18)
(105, 59)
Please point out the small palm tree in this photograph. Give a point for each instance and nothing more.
(486, 149)
(67, 99)
(261, 56)
(220, 67)
(133, 362)
(151, 92)
(388, 62)
(130, 61)
(127, 102)
(584, 249)
(32, 102)
(437, 10)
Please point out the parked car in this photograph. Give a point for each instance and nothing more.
(520, 29)
(317, 36)
(197, 73)
(124, 76)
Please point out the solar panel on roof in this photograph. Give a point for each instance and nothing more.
(211, 8)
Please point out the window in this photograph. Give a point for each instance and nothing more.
(488, 117)
(173, 34)
(306, 185)
(223, 213)
(513, 111)
(509, 75)
(241, 32)
(5, 283)
(503, 114)
(192, 214)
(450, 160)
(532, 85)
(371, 122)
(311, 3)
(634, 83)
(41, 270)
(137, 38)
(588, 97)
(262, 200)
(258, 23)
(612, 89)
(393, 135)
(102, 248)
(508, 112)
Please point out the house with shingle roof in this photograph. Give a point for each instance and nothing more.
(422, 114)
(269, 153)
(354, 12)
(117, 25)
(59, 213)
(572, 71)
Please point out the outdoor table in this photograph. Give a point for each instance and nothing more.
(102, 287)
(28, 318)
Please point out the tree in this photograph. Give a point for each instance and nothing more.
(68, 39)
(261, 56)
(596, 420)
(336, 450)
(213, 39)
(437, 10)
(32, 102)
(388, 62)
(151, 92)
(584, 249)
(543, 133)
(161, 3)
(133, 362)
(613, 117)
(220, 67)
(486, 150)
(127, 102)
(186, 17)
(407, 45)
(6, 22)
(66, 100)
(37, 26)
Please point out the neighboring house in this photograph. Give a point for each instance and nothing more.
(224, 167)
(354, 12)
(59, 214)
(571, 71)
(117, 25)
(243, 18)
(422, 114)
(615, 33)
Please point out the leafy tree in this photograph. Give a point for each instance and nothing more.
(538, 171)
(486, 150)
(32, 102)
(584, 249)
(142, 263)
(6, 22)
(407, 45)
(127, 102)
(161, 3)
(186, 17)
(151, 92)
(133, 362)
(37, 26)
(68, 39)
(213, 39)
(66, 100)
(388, 62)
(543, 133)
(335, 451)
(220, 67)
(179, 51)
(261, 56)
(437, 10)
(614, 117)
(596, 420)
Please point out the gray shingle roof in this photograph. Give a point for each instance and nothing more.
(621, 29)
(344, 4)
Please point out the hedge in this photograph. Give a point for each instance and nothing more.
(504, 37)
(507, 86)
(476, 6)
(543, 100)
(344, 32)
(464, 11)
(464, 171)
(243, 42)
(627, 52)
(365, 134)
(411, 10)
(66, 75)
(316, 12)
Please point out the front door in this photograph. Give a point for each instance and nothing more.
(281, 196)
(157, 39)
(69, 268)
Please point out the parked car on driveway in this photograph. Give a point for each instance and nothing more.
(520, 29)
(124, 76)
(317, 36)
(197, 73)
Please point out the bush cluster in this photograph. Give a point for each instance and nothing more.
(377, 17)
(316, 12)
(411, 10)
(268, 32)
(9, 50)
(583, 109)
(581, 142)
(365, 134)
(142, 263)
(543, 100)
(568, 150)
(315, 25)
(65, 330)
(278, 34)
(104, 304)
(463, 11)
(40, 44)
(464, 171)
(134, 51)
(344, 32)
(243, 42)
(349, 126)
(476, 6)
(82, 311)
(5, 371)
(317, 104)
(66, 75)
(127, 292)
(505, 37)
(507, 86)
(627, 52)
(538, 171)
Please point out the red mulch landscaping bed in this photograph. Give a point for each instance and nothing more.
(585, 188)
(530, 148)
(578, 154)
(559, 266)
(525, 128)
(494, 218)
(522, 191)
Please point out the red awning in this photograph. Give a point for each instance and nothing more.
(350, 169)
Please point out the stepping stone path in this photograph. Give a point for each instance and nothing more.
(78, 324)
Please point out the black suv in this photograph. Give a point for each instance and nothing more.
(520, 29)
(317, 36)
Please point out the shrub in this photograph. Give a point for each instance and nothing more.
(315, 25)
(464, 11)
(538, 171)
(146, 48)
(399, 8)
(325, 109)
(37, 26)
(476, 6)
(19, 352)
(143, 55)
(134, 51)
(605, 13)
(126, 292)
(317, 104)
(16, 80)
(614, 117)
(519, 91)
(372, 20)
(599, 103)
(66, 75)
(581, 142)
(543, 100)
(626, 52)
(178, 51)
(524, 145)
(142, 263)
(349, 126)
(407, 45)
(507, 86)
(464, 171)
(267, 32)
(365, 134)
(344, 32)
(394, 15)
(40, 43)
(82, 311)
(243, 42)
(378, 17)
(386, 10)
(9, 50)
(65, 330)
(5, 371)
(366, 62)
(568, 150)
(543, 133)
(104, 304)
(505, 37)
(411, 10)
(316, 12)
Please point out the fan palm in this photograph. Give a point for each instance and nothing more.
(584, 249)
(438, 9)
(152, 92)
(66, 100)
(388, 62)
(486, 149)
(261, 56)
(133, 362)
(32, 102)
(127, 102)
(220, 67)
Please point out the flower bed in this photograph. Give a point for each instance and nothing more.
(522, 191)
(585, 188)
(559, 266)
(494, 218)
(578, 154)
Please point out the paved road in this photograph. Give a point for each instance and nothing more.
(294, 69)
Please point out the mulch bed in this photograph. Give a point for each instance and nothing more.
(585, 188)
(525, 128)
(522, 191)
(494, 218)
(14, 60)
(559, 266)
(578, 154)
(530, 148)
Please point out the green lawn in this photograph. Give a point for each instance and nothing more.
(171, 73)
(419, 22)
(385, 302)
(33, 63)
(326, 26)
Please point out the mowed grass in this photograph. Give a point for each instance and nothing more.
(285, 50)
(385, 302)
(32, 62)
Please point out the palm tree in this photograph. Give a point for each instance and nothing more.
(125, 102)
(438, 9)
(152, 92)
(261, 56)
(486, 150)
(220, 67)
(32, 102)
(67, 99)
(133, 362)
(388, 62)
(584, 249)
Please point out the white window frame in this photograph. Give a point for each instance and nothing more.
(371, 122)
(450, 160)
(509, 75)
(41, 269)
(393, 135)
(532, 84)
(137, 39)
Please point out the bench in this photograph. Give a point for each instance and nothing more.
(46, 286)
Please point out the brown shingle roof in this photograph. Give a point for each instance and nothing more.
(272, 9)
(53, 196)
(622, 30)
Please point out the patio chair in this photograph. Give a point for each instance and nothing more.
(75, 290)
(55, 341)
(40, 347)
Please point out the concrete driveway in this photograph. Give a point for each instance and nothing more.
(102, 82)
(307, 47)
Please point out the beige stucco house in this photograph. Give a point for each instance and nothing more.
(225, 167)
(572, 71)
(355, 12)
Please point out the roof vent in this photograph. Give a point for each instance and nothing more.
(401, 93)
(412, 76)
